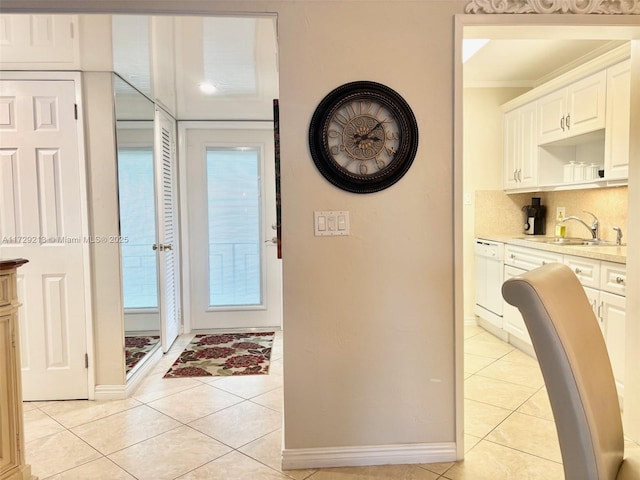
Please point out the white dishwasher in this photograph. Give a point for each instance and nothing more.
(489, 257)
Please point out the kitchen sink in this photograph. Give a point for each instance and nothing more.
(570, 241)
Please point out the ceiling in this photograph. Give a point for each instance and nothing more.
(529, 55)
(169, 59)
(239, 55)
(529, 62)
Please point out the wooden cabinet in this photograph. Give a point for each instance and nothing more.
(576, 109)
(520, 148)
(616, 140)
(12, 460)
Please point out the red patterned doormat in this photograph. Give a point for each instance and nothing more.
(224, 354)
(136, 347)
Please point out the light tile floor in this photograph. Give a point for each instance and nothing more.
(188, 428)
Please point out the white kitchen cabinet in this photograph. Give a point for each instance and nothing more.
(528, 258)
(613, 278)
(586, 269)
(512, 321)
(616, 140)
(520, 148)
(574, 110)
(604, 284)
(613, 313)
(518, 260)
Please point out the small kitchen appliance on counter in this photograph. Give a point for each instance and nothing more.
(534, 217)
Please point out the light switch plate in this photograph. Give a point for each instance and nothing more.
(330, 223)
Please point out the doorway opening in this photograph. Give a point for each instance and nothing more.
(482, 208)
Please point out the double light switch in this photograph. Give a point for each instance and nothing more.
(331, 223)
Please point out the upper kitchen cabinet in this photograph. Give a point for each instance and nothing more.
(520, 148)
(616, 142)
(571, 132)
(576, 109)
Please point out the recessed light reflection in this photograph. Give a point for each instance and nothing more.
(207, 87)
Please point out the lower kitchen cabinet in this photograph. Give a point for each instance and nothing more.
(605, 286)
(518, 260)
(512, 320)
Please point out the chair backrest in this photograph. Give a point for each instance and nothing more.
(576, 369)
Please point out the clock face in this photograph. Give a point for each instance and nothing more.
(363, 137)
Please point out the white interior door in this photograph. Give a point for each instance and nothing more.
(235, 277)
(41, 219)
(167, 244)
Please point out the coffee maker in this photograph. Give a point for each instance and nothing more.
(534, 217)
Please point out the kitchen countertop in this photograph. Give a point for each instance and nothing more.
(609, 253)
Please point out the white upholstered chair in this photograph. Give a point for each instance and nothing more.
(577, 373)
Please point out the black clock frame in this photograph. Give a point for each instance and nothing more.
(319, 126)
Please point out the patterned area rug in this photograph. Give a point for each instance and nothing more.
(224, 354)
(136, 347)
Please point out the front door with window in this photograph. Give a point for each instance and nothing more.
(234, 273)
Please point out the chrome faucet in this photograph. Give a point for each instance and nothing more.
(593, 228)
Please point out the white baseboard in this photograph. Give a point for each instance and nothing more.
(305, 458)
(110, 392)
(470, 321)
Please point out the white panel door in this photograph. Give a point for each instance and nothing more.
(235, 277)
(41, 220)
(167, 242)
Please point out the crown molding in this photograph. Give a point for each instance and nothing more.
(602, 7)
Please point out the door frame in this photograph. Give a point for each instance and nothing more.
(616, 22)
(76, 78)
(184, 260)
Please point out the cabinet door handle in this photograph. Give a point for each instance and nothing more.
(515, 175)
(619, 280)
(519, 174)
(578, 271)
(512, 256)
(600, 311)
(567, 121)
(562, 123)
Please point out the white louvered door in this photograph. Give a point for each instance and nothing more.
(167, 244)
(42, 220)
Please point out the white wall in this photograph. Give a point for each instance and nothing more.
(632, 378)
(104, 221)
(482, 170)
(368, 319)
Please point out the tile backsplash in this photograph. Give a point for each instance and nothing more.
(501, 214)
